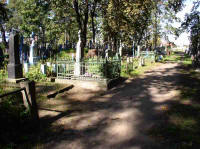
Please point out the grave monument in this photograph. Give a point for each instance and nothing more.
(14, 66)
(33, 57)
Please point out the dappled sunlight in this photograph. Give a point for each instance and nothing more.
(121, 117)
(119, 131)
(88, 120)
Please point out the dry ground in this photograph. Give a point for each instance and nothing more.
(118, 119)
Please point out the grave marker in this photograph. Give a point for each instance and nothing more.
(14, 66)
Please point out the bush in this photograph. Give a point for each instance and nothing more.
(35, 73)
(63, 55)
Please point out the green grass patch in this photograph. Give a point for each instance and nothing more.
(137, 71)
(178, 57)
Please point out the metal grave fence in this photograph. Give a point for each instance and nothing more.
(149, 56)
(89, 69)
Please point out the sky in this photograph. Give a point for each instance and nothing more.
(183, 39)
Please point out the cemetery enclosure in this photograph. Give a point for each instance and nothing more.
(100, 69)
(90, 70)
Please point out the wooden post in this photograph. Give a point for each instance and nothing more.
(29, 99)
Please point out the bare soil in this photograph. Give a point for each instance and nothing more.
(118, 119)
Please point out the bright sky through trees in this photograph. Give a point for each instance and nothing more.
(183, 39)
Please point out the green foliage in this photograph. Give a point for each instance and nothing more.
(50, 72)
(2, 46)
(175, 57)
(65, 54)
(35, 73)
(3, 71)
(132, 69)
(3, 75)
(192, 24)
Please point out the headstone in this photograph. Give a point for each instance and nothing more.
(14, 66)
(33, 57)
(77, 71)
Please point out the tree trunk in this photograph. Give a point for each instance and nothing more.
(155, 31)
(93, 24)
(3, 32)
(82, 23)
(93, 30)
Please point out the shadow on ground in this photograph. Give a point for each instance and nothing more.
(154, 111)
(118, 119)
(181, 129)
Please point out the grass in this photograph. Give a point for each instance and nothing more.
(181, 127)
(179, 57)
(137, 71)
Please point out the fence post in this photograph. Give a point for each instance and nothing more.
(29, 99)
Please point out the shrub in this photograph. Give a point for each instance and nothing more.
(35, 73)
(63, 55)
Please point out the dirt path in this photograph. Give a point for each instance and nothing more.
(119, 119)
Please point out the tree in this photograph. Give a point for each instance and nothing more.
(3, 20)
(192, 24)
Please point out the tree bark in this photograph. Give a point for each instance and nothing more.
(82, 23)
(3, 32)
(93, 24)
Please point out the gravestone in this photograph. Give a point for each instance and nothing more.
(14, 66)
(33, 56)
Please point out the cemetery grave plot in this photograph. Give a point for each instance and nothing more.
(90, 70)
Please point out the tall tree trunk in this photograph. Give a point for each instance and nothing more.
(155, 41)
(3, 32)
(93, 30)
(82, 23)
(93, 10)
